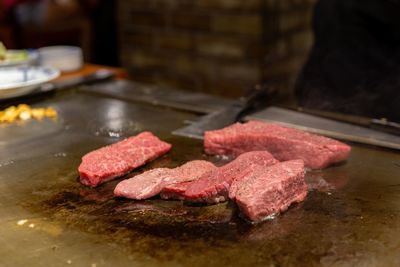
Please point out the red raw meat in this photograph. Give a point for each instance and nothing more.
(118, 159)
(150, 183)
(213, 187)
(175, 191)
(267, 191)
(283, 143)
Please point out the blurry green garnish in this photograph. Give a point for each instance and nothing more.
(3, 51)
(12, 55)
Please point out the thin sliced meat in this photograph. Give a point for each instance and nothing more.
(152, 182)
(283, 143)
(118, 159)
(213, 187)
(175, 191)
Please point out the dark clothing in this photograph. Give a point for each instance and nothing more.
(354, 65)
(105, 50)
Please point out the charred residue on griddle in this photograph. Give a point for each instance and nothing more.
(152, 217)
(65, 200)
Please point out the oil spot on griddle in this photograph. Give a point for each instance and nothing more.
(60, 155)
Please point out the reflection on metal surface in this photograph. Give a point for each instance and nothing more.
(119, 127)
(112, 122)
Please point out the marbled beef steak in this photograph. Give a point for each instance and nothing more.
(213, 187)
(175, 191)
(266, 191)
(150, 183)
(283, 143)
(118, 159)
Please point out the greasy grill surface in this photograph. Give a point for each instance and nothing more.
(351, 218)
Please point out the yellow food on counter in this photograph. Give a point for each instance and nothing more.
(25, 112)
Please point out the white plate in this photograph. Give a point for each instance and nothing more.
(16, 62)
(17, 81)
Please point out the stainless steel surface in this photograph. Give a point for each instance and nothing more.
(351, 218)
(160, 96)
(327, 127)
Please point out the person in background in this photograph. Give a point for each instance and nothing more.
(354, 64)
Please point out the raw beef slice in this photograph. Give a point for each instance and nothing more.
(283, 143)
(118, 159)
(150, 183)
(175, 191)
(213, 187)
(267, 191)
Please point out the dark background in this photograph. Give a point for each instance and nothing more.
(225, 46)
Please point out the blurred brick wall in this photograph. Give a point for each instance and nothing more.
(215, 46)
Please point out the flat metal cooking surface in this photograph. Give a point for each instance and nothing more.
(351, 218)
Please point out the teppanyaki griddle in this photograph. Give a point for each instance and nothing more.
(350, 218)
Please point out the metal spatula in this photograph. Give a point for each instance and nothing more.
(258, 97)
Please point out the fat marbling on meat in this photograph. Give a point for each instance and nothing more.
(267, 191)
(282, 142)
(213, 187)
(152, 182)
(118, 159)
